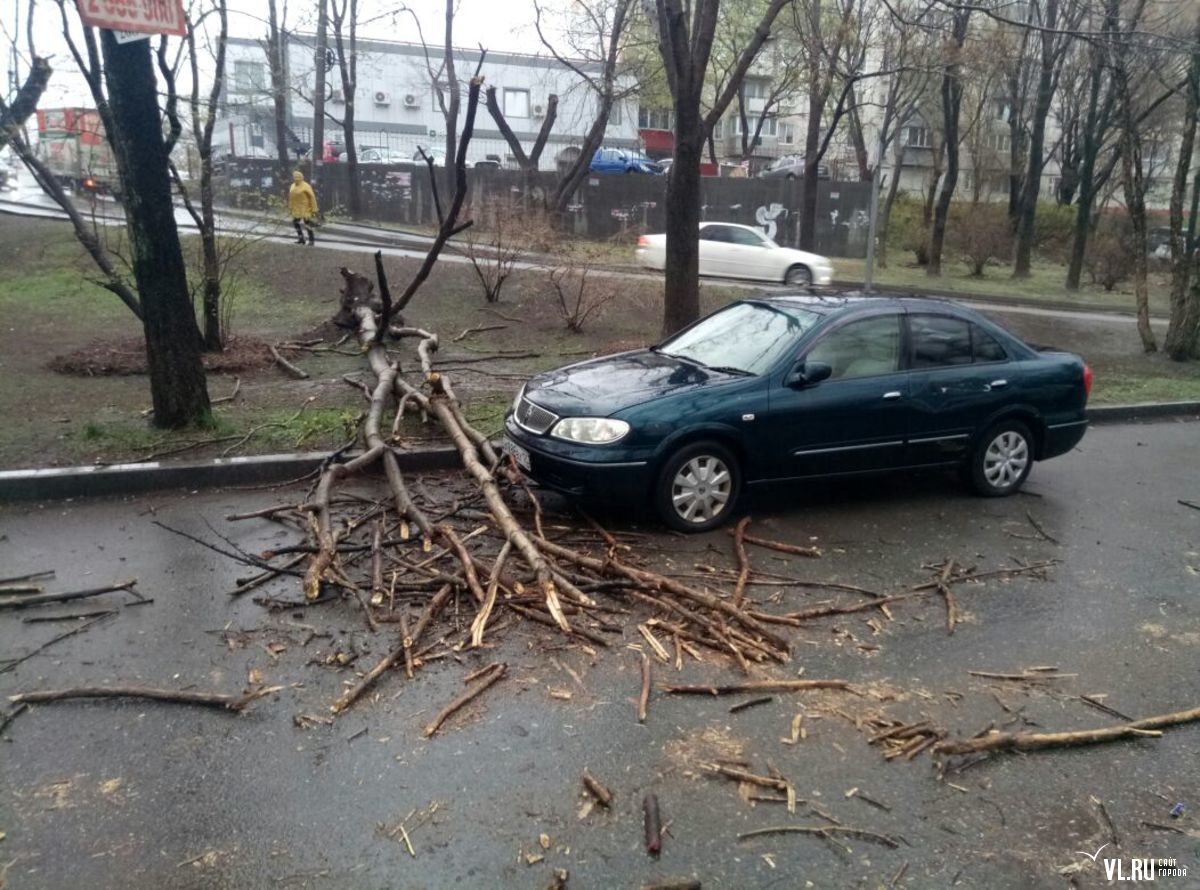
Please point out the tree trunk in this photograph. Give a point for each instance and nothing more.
(812, 169)
(952, 90)
(318, 130)
(1027, 212)
(1181, 330)
(885, 214)
(177, 385)
(1135, 203)
(681, 296)
(1087, 174)
(452, 103)
(276, 60)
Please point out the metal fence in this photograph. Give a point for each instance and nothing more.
(605, 207)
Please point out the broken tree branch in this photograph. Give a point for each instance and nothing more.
(1033, 741)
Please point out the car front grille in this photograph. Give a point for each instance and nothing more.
(533, 417)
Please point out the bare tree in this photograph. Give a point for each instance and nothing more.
(203, 118)
(952, 91)
(527, 162)
(835, 43)
(14, 115)
(343, 17)
(1182, 341)
(685, 47)
(1056, 24)
(275, 48)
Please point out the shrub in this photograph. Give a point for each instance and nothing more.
(980, 234)
(1053, 230)
(581, 293)
(906, 228)
(500, 238)
(1109, 259)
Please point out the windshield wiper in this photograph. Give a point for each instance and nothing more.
(726, 369)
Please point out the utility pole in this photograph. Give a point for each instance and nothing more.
(318, 130)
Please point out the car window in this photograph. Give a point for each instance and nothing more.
(985, 347)
(743, 236)
(750, 336)
(863, 348)
(939, 341)
(715, 233)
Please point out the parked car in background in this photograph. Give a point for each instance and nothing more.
(796, 387)
(619, 160)
(665, 164)
(381, 156)
(489, 162)
(791, 167)
(729, 250)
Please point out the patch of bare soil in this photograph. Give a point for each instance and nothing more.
(127, 356)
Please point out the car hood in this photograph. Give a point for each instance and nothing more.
(604, 386)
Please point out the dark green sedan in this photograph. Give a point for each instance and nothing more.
(794, 387)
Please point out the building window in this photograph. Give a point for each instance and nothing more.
(516, 103)
(614, 116)
(249, 77)
(719, 129)
(998, 141)
(787, 134)
(756, 89)
(1000, 106)
(653, 119)
(917, 137)
(770, 126)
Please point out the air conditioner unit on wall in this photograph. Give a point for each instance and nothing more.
(411, 101)
(336, 96)
(383, 98)
(539, 111)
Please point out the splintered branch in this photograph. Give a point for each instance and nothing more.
(756, 686)
(235, 703)
(1148, 727)
(39, 599)
(487, 678)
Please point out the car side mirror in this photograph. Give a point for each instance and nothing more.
(808, 373)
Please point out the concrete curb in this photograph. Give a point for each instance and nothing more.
(123, 479)
(1143, 411)
(267, 469)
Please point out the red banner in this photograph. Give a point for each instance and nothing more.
(144, 16)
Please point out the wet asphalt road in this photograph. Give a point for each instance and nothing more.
(128, 794)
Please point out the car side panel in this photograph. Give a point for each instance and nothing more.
(951, 405)
(1054, 384)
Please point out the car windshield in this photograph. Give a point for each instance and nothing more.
(748, 337)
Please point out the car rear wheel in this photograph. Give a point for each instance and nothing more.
(798, 276)
(698, 487)
(1002, 460)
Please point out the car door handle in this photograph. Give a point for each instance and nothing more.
(894, 394)
(996, 384)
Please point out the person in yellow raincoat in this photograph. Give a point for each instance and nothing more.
(302, 205)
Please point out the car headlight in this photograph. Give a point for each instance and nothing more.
(517, 401)
(591, 430)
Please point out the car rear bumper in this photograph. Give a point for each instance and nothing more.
(608, 481)
(1062, 437)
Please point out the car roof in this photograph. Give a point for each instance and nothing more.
(831, 304)
(717, 222)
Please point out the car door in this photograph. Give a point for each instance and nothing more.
(748, 256)
(960, 376)
(714, 250)
(854, 421)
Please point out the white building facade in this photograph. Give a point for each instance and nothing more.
(396, 105)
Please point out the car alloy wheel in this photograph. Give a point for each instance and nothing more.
(698, 487)
(1003, 459)
(798, 276)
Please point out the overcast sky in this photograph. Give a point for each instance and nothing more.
(500, 25)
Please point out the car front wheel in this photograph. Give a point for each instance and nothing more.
(798, 276)
(698, 487)
(1001, 462)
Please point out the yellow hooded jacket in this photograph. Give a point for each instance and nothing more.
(302, 201)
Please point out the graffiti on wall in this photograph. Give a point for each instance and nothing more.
(766, 217)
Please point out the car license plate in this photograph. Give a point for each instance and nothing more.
(516, 452)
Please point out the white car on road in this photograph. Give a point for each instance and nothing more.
(729, 250)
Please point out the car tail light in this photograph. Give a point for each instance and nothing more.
(1087, 379)
(643, 241)
(89, 183)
